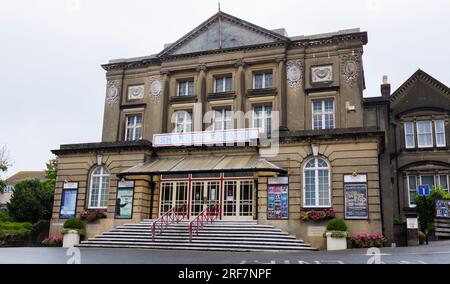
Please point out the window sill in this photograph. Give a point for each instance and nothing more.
(183, 99)
(221, 96)
(262, 92)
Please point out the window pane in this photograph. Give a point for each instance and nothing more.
(228, 84)
(258, 81)
(324, 188)
(443, 181)
(219, 85)
(317, 121)
(268, 80)
(310, 188)
(190, 88)
(440, 133)
(409, 135)
(329, 105)
(429, 180)
(424, 134)
(412, 190)
(329, 121)
(182, 88)
(317, 106)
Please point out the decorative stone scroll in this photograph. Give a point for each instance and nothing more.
(112, 92)
(136, 92)
(350, 68)
(321, 74)
(155, 88)
(294, 69)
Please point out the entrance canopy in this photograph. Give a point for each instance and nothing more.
(210, 163)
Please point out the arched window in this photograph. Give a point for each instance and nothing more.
(316, 184)
(99, 185)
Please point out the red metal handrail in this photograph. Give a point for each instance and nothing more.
(210, 214)
(174, 215)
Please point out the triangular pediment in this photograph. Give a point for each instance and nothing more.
(222, 31)
(421, 91)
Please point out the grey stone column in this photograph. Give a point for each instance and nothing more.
(165, 101)
(281, 78)
(200, 108)
(240, 90)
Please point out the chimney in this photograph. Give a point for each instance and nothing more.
(386, 87)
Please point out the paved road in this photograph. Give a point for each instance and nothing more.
(436, 252)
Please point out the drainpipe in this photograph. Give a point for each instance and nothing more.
(396, 170)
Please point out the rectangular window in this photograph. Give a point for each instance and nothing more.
(222, 119)
(186, 88)
(223, 84)
(133, 127)
(409, 135)
(262, 118)
(440, 133)
(323, 114)
(443, 182)
(412, 190)
(424, 134)
(183, 121)
(427, 180)
(263, 80)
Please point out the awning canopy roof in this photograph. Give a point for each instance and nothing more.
(210, 163)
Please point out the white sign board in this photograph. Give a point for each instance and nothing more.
(205, 137)
(278, 180)
(355, 179)
(70, 185)
(412, 223)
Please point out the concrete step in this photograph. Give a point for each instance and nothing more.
(201, 241)
(218, 237)
(201, 245)
(190, 248)
(229, 236)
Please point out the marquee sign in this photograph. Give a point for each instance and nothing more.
(206, 137)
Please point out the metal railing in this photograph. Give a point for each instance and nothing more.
(174, 215)
(209, 215)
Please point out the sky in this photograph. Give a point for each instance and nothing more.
(53, 88)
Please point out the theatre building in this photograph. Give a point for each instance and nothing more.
(234, 123)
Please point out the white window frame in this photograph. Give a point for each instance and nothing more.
(316, 183)
(223, 88)
(439, 181)
(186, 122)
(133, 128)
(263, 118)
(103, 174)
(413, 135)
(431, 134)
(186, 93)
(264, 83)
(409, 192)
(322, 113)
(443, 133)
(223, 120)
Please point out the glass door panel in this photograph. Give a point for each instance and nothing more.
(246, 198)
(181, 194)
(197, 194)
(166, 201)
(230, 198)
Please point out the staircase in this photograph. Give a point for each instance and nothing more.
(218, 236)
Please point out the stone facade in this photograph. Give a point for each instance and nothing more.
(304, 69)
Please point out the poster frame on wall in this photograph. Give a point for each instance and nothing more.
(361, 179)
(279, 181)
(124, 185)
(69, 186)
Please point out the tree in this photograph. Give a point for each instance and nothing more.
(31, 201)
(4, 164)
(52, 171)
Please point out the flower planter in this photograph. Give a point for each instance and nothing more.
(336, 243)
(71, 238)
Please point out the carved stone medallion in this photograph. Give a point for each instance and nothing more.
(350, 68)
(294, 69)
(155, 88)
(112, 92)
(136, 92)
(322, 74)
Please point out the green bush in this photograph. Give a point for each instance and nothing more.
(4, 217)
(15, 226)
(426, 207)
(17, 231)
(337, 225)
(74, 223)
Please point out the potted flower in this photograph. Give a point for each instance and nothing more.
(72, 230)
(90, 215)
(318, 215)
(336, 235)
(368, 240)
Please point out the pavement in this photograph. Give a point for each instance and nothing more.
(434, 253)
